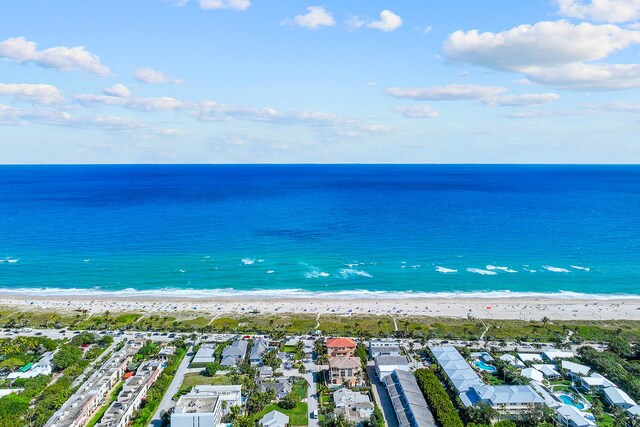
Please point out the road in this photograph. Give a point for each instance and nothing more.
(312, 392)
(382, 398)
(167, 403)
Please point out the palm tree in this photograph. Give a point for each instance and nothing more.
(545, 320)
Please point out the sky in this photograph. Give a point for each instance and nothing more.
(341, 81)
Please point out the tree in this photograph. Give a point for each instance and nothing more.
(211, 369)
(545, 320)
(377, 419)
(289, 402)
(68, 355)
(302, 369)
(620, 346)
(481, 413)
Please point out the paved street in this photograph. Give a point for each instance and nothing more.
(382, 398)
(174, 387)
(312, 396)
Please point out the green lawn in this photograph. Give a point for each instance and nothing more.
(297, 416)
(191, 380)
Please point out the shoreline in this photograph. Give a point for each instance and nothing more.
(518, 307)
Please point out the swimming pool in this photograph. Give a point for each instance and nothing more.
(568, 400)
(484, 367)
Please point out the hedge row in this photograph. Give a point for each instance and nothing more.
(438, 399)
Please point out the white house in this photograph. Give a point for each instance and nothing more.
(569, 416)
(205, 354)
(512, 360)
(384, 365)
(356, 407)
(549, 371)
(530, 357)
(533, 374)
(576, 370)
(554, 354)
(595, 382)
(384, 348)
(616, 397)
(274, 419)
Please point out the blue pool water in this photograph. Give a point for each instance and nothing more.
(568, 400)
(484, 367)
(562, 230)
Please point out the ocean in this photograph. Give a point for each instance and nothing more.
(303, 230)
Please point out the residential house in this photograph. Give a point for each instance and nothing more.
(576, 370)
(234, 354)
(595, 383)
(384, 365)
(205, 354)
(616, 397)
(345, 370)
(265, 372)
(259, 348)
(569, 416)
(383, 348)
(356, 407)
(555, 354)
(533, 374)
(282, 387)
(512, 360)
(530, 357)
(506, 400)
(549, 371)
(341, 347)
(458, 371)
(274, 419)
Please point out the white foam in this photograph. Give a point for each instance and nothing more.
(86, 260)
(445, 270)
(270, 271)
(577, 267)
(316, 273)
(555, 269)
(349, 272)
(182, 270)
(162, 293)
(260, 260)
(12, 261)
(497, 267)
(481, 271)
(248, 261)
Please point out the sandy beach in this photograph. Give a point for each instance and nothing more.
(523, 308)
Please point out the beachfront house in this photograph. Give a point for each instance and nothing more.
(530, 357)
(569, 416)
(234, 354)
(616, 397)
(356, 407)
(378, 347)
(337, 347)
(259, 348)
(345, 370)
(384, 365)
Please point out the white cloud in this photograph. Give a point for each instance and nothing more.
(600, 10)
(117, 89)
(355, 22)
(34, 93)
(521, 100)
(225, 4)
(315, 18)
(389, 21)
(556, 53)
(589, 76)
(446, 93)
(417, 112)
(532, 114)
(61, 58)
(163, 103)
(545, 44)
(620, 107)
(151, 76)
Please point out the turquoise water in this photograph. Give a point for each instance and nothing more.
(302, 230)
(484, 367)
(568, 400)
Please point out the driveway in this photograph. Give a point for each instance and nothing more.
(382, 398)
(166, 404)
(312, 396)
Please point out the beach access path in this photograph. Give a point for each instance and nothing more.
(167, 400)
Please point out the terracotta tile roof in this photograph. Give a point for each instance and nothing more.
(340, 343)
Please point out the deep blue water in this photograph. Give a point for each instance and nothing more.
(322, 228)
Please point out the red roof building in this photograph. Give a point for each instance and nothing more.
(341, 347)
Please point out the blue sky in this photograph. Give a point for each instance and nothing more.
(245, 81)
